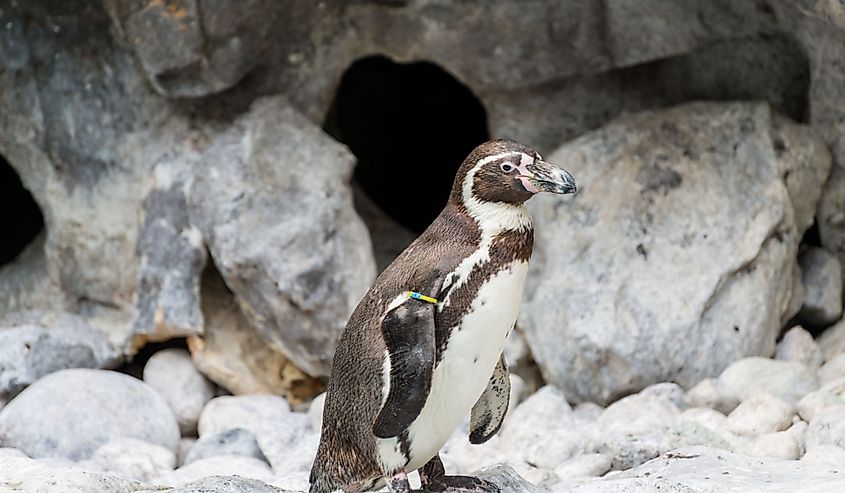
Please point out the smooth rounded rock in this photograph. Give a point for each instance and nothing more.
(222, 465)
(71, 413)
(277, 429)
(832, 340)
(132, 458)
(786, 380)
(236, 441)
(582, 466)
(831, 394)
(172, 373)
(798, 345)
(827, 428)
(708, 393)
(822, 276)
(761, 413)
(832, 370)
(709, 418)
(830, 455)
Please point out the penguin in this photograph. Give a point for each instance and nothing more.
(424, 346)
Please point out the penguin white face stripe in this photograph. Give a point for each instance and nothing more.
(494, 217)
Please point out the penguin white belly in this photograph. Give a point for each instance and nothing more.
(465, 367)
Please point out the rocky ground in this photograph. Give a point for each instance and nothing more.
(763, 424)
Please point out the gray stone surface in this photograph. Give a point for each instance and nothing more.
(832, 370)
(830, 394)
(172, 256)
(705, 469)
(692, 184)
(832, 341)
(827, 427)
(33, 345)
(236, 441)
(277, 216)
(221, 465)
(232, 354)
(798, 345)
(222, 484)
(786, 380)
(131, 458)
(71, 413)
(278, 430)
(760, 413)
(822, 276)
(27, 475)
(194, 48)
(173, 375)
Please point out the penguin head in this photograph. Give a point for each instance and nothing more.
(510, 172)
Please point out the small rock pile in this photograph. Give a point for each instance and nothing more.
(763, 422)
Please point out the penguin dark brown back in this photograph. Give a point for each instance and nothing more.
(423, 348)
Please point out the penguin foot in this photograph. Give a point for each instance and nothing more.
(434, 479)
(460, 484)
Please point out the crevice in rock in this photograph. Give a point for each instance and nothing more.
(410, 125)
(21, 221)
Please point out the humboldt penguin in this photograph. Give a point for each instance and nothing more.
(424, 346)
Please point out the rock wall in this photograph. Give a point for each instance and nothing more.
(165, 138)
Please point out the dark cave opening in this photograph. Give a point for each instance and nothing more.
(410, 125)
(22, 220)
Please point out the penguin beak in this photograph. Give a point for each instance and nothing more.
(546, 177)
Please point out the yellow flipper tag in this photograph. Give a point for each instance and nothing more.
(421, 297)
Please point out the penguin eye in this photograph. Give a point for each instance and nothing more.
(506, 167)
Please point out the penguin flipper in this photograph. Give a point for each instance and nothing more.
(408, 331)
(489, 412)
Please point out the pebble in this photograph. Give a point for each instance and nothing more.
(131, 458)
(236, 441)
(827, 427)
(798, 345)
(786, 380)
(761, 413)
(172, 373)
(832, 370)
(221, 465)
(708, 394)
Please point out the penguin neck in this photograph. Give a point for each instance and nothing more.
(494, 218)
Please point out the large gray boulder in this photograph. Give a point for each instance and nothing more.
(676, 257)
(273, 203)
(71, 413)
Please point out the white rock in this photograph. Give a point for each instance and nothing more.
(132, 458)
(822, 276)
(22, 474)
(519, 391)
(831, 393)
(760, 413)
(224, 484)
(236, 441)
(315, 411)
(540, 431)
(827, 427)
(778, 445)
(670, 390)
(832, 340)
(587, 465)
(829, 455)
(709, 418)
(277, 429)
(687, 433)
(632, 429)
(587, 412)
(786, 380)
(221, 465)
(699, 469)
(172, 373)
(71, 413)
(185, 445)
(709, 394)
(689, 267)
(832, 370)
(798, 345)
(796, 295)
(639, 414)
(8, 452)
